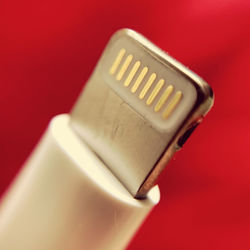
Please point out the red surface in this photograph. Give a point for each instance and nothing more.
(47, 51)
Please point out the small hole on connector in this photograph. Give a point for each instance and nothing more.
(186, 135)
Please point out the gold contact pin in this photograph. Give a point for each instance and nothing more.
(117, 61)
(132, 73)
(139, 79)
(124, 67)
(168, 91)
(155, 92)
(147, 86)
(172, 105)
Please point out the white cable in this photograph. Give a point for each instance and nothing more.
(66, 199)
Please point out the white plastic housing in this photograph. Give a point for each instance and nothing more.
(66, 199)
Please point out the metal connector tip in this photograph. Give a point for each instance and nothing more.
(136, 108)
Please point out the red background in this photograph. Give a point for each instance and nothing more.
(47, 51)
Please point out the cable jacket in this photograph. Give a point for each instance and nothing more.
(65, 198)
